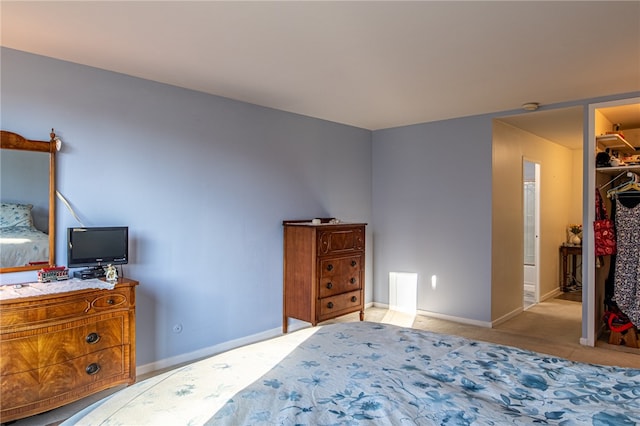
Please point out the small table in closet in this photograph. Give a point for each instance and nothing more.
(567, 250)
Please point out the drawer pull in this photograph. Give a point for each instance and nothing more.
(354, 263)
(352, 280)
(110, 302)
(329, 267)
(92, 338)
(354, 299)
(329, 285)
(330, 305)
(92, 369)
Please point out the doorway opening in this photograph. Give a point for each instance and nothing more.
(552, 138)
(531, 219)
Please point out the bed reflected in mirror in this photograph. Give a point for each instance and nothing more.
(27, 216)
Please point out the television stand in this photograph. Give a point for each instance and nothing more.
(89, 273)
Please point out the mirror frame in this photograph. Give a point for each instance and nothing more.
(10, 140)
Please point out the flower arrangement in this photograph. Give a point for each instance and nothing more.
(576, 229)
(574, 234)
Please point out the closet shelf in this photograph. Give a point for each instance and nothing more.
(617, 170)
(614, 142)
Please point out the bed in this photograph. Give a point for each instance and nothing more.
(21, 243)
(372, 373)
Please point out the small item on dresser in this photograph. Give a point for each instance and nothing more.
(55, 273)
(316, 221)
(111, 273)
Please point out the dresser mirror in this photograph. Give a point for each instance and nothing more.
(27, 197)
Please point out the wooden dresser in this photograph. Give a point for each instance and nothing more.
(61, 347)
(323, 270)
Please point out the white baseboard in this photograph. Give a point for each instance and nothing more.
(208, 351)
(452, 318)
(461, 320)
(294, 325)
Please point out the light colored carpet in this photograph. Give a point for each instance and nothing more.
(551, 327)
(575, 295)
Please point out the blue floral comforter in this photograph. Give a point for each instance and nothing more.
(370, 373)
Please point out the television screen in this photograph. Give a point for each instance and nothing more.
(97, 246)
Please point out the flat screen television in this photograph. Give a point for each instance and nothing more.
(96, 247)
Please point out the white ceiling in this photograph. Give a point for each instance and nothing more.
(370, 64)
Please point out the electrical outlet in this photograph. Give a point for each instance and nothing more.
(177, 328)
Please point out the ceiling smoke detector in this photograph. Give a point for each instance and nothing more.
(530, 106)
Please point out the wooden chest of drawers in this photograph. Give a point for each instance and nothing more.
(323, 270)
(62, 347)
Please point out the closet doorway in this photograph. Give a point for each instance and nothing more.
(553, 138)
(531, 218)
(624, 114)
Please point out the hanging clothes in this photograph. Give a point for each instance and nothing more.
(626, 292)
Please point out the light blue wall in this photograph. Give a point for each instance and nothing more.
(203, 183)
(432, 213)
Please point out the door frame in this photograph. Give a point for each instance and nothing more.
(590, 322)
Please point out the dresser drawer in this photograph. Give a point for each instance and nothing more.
(31, 386)
(331, 307)
(19, 389)
(341, 240)
(109, 301)
(28, 315)
(61, 307)
(339, 275)
(61, 344)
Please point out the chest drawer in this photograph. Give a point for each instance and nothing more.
(59, 344)
(339, 275)
(333, 306)
(340, 240)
